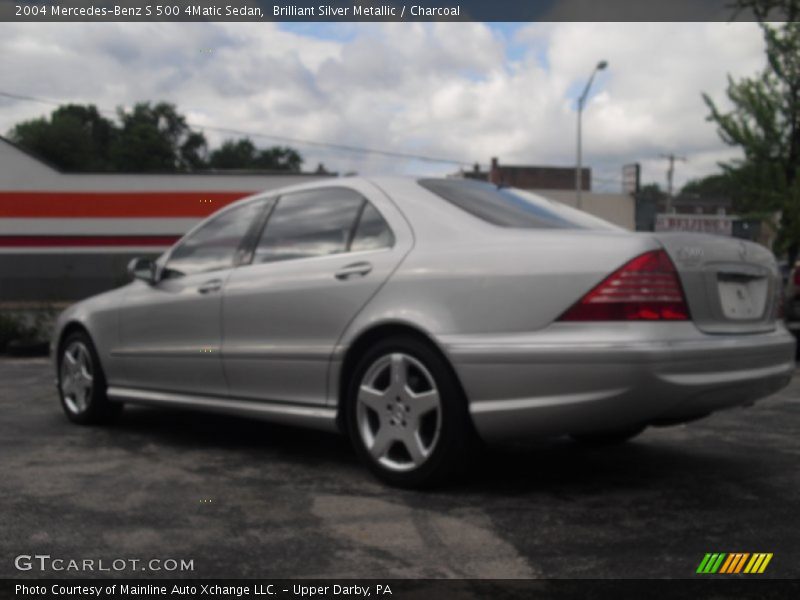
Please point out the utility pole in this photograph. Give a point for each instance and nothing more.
(579, 166)
(670, 173)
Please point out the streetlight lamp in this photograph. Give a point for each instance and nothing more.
(581, 101)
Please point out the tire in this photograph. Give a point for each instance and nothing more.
(82, 383)
(404, 387)
(608, 438)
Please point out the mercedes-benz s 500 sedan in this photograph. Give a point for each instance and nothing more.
(419, 315)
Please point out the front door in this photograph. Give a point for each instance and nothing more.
(170, 332)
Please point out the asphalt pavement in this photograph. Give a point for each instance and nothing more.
(243, 498)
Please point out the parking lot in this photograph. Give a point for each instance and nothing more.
(249, 499)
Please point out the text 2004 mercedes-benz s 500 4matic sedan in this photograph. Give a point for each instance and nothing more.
(418, 315)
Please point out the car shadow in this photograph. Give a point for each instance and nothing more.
(562, 464)
(555, 465)
(186, 429)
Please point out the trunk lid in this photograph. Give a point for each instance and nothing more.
(731, 285)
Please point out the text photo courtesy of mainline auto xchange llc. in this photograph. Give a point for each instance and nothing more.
(446, 299)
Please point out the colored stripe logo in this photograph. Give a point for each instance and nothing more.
(723, 563)
(119, 205)
(37, 241)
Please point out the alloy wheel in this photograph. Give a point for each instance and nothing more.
(398, 412)
(77, 377)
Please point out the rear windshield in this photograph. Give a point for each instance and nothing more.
(511, 207)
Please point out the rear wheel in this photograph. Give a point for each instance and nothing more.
(82, 384)
(608, 438)
(406, 415)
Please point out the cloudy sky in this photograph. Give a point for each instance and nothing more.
(460, 91)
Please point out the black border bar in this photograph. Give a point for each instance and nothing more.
(381, 10)
(398, 589)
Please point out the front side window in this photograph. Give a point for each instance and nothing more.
(308, 224)
(214, 245)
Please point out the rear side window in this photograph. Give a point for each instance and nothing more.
(372, 231)
(308, 224)
(511, 207)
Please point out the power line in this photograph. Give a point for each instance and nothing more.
(334, 146)
(300, 141)
(283, 138)
(21, 97)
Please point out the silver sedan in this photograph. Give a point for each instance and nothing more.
(420, 315)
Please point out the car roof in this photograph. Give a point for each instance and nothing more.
(388, 181)
(429, 216)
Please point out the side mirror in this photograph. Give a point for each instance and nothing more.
(143, 268)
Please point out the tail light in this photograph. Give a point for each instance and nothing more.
(645, 289)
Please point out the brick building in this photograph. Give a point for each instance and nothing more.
(558, 184)
(528, 177)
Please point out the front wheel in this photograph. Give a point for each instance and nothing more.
(406, 415)
(82, 384)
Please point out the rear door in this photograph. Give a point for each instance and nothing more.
(731, 285)
(322, 255)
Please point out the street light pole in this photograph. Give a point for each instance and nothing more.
(581, 101)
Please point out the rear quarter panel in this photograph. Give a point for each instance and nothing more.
(520, 283)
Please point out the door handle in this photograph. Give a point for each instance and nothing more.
(359, 268)
(210, 286)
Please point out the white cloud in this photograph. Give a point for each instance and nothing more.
(462, 90)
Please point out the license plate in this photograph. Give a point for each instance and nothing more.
(742, 300)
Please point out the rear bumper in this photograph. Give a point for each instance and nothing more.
(575, 377)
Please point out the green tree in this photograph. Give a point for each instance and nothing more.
(233, 154)
(279, 158)
(652, 192)
(714, 186)
(74, 138)
(243, 154)
(148, 137)
(765, 123)
(649, 201)
(156, 138)
(193, 151)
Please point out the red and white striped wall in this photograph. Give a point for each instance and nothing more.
(102, 221)
(65, 236)
(43, 210)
